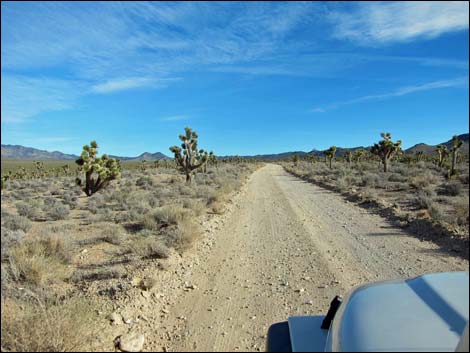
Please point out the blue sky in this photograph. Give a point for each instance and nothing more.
(248, 77)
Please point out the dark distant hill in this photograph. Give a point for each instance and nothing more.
(21, 152)
(430, 149)
(144, 156)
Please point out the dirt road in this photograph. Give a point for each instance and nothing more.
(286, 248)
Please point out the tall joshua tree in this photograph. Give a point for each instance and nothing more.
(359, 155)
(419, 156)
(456, 145)
(442, 153)
(99, 171)
(349, 156)
(386, 149)
(191, 158)
(212, 159)
(330, 154)
(295, 159)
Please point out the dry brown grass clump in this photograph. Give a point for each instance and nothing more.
(39, 261)
(36, 326)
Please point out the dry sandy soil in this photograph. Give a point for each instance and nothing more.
(284, 247)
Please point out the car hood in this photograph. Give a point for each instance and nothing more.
(426, 313)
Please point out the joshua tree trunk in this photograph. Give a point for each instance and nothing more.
(385, 163)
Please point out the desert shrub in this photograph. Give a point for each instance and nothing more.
(71, 200)
(95, 202)
(99, 274)
(368, 194)
(113, 234)
(461, 211)
(14, 222)
(150, 248)
(436, 212)
(49, 201)
(29, 209)
(185, 190)
(42, 327)
(423, 200)
(145, 182)
(451, 189)
(196, 206)
(371, 180)
(39, 261)
(9, 239)
(58, 211)
(345, 182)
(170, 214)
(464, 178)
(153, 201)
(182, 236)
(423, 180)
(397, 177)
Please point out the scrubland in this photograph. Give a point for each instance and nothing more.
(61, 250)
(417, 195)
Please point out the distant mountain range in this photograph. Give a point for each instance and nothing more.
(21, 152)
(428, 149)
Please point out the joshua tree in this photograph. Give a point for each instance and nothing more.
(156, 164)
(295, 159)
(359, 155)
(99, 171)
(212, 159)
(349, 156)
(192, 158)
(39, 169)
(407, 158)
(330, 154)
(456, 145)
(443, 153)
(419, 155)
(66, 169)
(386, 149)
(143, 165)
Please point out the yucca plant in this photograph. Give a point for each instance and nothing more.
(386, 149)
(99, 171)
(188, 157)
(442, 153)
(456, 145)
(330, 154)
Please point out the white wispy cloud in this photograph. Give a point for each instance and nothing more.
(133, 82)
(382, 22)
(23, 97)
(115, 46)
(175, 118)
(105, 47)
(456, 82)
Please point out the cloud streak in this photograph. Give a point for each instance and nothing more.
(132, 83)
(23, 97)
(452, 83)
(373, 23)
(53, 53)
(175, 118)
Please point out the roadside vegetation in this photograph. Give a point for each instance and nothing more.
(71, 236)
(427, 193)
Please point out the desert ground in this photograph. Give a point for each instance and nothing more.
(269, 246)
